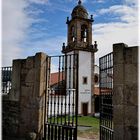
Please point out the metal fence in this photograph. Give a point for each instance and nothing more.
(6, 79)
(62, 98)
(106, 93)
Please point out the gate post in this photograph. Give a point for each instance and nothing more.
(125, 92)
(29, 88)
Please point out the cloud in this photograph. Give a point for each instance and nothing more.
(17, 18)
(131, 2)
(38, 1)
(124, 12)
(98, 1)
(15, 23)
(123, 31)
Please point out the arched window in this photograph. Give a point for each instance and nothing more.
(96, 79)
(73, 33)
(84, 33)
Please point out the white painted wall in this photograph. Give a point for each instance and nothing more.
(84, 71)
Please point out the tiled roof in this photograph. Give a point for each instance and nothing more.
(56, 78)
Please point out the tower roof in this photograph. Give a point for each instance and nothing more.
(79, 11)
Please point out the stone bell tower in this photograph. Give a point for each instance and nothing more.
(79, 40)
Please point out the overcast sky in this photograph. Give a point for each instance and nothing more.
(30, 26)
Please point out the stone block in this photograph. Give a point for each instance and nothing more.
(131, 94)
(118, 94)
(31, 136)
(42, 88)
(43, 73)
(16, 70)
(26, 91)
(118, 115)
(118, 53)
(131, 115)
(135, 59)
(131, 132)
(118, 74)
(128, 56)
(118, 132)
(30, 77)
(131, 73)
(30, 62)
(40, 59)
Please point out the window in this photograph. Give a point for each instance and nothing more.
(85, 80)
(73, 33)
(96, 79)
(84, 33)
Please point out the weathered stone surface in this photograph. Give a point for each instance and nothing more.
(130, 72)
(131, 94)
(118, 132)
(118, 53)
(10, 117)
(15, 91)
(125, 89)
(118, 73)
(118, 94)
(30, 62)
(131, 132)
(31, 136)
(30, 77)
(29, 84)
(118, 116)
(130, 115)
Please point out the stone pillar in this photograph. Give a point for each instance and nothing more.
(125, 92)
(28, 88)
(15, 91)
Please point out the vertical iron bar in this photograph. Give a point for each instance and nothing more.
(77, 88)
(70, 80)
(45, 98)
(59, 93)
(66, 87)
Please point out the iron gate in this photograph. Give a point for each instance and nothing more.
(62, 98)
(106, 92)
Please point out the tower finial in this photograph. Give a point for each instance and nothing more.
(79, 2)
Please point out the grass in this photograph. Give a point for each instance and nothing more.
(92, 132)
(88, 121)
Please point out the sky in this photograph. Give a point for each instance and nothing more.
(31, 26)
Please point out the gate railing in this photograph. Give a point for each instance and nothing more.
(106, 93)
(62, 98)
(6, 77)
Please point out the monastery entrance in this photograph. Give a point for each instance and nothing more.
(62, 98)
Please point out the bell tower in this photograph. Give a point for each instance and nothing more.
(79, 31)
(79, 41)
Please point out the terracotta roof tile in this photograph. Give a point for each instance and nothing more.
(56, 78)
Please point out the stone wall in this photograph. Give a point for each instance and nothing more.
(28, 92)
(125, 95)
(10, 117)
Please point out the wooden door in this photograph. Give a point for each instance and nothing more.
(85, 109)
